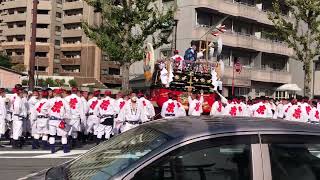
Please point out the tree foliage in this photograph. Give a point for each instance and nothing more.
(5, 61)
(301, 32)
(127, 25)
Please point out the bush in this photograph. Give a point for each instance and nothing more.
(72, 83)
(25, 82)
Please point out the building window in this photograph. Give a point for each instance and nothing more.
(114, 71)
(58, 28)
(56, 56)
(241, 91)
(41, 11)
(72, 68)
(56, 70)
(58, 15)
(42, 40)
(40, 68)
(42, 26)
(41, 54)
(57, 42)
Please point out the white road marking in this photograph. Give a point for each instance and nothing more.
(44, 154)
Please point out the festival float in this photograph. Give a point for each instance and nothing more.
(180, 76)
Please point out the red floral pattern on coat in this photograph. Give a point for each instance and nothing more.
(233, 111)
(39, 107)
(170, 108)
(93, 104)
(144, 103)
(57, 107)
(220, 107)
(308, 109)
(122, 103)
(287, 109)
(105, 104)
(197, 108)
(179, 105)
(73, 102)
(261, 110)
(317, 115)
(297, 113)
(240, 109)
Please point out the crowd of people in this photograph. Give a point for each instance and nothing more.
(76, 116)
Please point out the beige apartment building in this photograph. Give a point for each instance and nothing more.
(62, 47)
(265, 60)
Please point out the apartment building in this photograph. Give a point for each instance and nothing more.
(62, 47)
(265, 60)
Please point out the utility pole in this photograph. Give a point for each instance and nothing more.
(33, 45)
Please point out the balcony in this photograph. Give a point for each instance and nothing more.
(14, 31)
(70, 73)
(71, 47)
(72, 19)
(43, 33)
(270, 76)
(241, 79)
(15, 17)
(111, 79)
(232, 8)
(247, 41)
(13, 44)
(70, 61)
(13, 4)
(73, 5)
(45, 5)
(72, 33)
(43, 19)
(42, 61)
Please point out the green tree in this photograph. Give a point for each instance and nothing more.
(301, 32)
(72, 83)
(5, 61)
(125, 28)
(19, 67)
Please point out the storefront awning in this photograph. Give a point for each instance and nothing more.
(289, 87)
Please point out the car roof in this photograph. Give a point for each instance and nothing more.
(206, 125)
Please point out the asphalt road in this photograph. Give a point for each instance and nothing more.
(16, 164)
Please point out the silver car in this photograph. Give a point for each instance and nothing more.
(202, 148)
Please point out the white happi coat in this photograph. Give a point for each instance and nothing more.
(93, 113)
(41, 111)
(107, 106)
(195, 106)
(18, 115)
(170, 109)
(280, 111)
(217, 109)
(148, 108)
(31, 103)
(129, 115)
(59, 109)
(314, 115)
(231, 110)
(77, 112)
(243, 110)
(262, 110)
(3, 115)
(119, 104)
(297, 113)
(307, 108)
(181, 110)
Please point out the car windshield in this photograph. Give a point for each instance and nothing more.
(114, 155)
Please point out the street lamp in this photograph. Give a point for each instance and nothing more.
(315, 63)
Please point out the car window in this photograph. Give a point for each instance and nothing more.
(294, 157)
(111, 157)
(204, 160)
